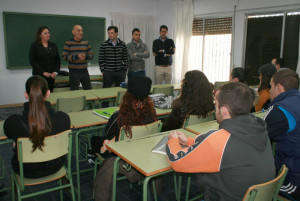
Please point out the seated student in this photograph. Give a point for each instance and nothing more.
(136, 109)
(238, 74)
(38, 120)
(278, 63)
(195, 98)
(233, 158)
(265, 74)
(282, 120)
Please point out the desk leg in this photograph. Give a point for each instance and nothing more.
(175, 185)
(77, 165)
(188, 187)
(115, 175)
(179, 187)
(146, 181)
(145, 188)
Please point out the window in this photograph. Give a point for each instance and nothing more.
(210, 48)
(271, 36)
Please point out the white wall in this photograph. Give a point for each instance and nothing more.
(164, 16)
(12, 81)
(225, 8)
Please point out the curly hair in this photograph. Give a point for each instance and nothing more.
(134, 111)
(196, 94)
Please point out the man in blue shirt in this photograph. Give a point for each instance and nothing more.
(163, 48)
(283, 124)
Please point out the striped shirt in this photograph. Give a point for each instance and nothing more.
(71, 50)
(113, 58)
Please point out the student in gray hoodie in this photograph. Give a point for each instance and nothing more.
(232, 158)
(138, 52)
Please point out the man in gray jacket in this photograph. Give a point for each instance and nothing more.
(138, 52)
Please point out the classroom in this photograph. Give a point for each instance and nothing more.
(212, 39)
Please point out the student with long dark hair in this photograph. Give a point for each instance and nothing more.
(44, 56)
(136, 109)
(37, 121)
(265, 74)
(195, 98)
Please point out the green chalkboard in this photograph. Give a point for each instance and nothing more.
(20, 30)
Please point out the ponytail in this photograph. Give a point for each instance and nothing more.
(38, 118)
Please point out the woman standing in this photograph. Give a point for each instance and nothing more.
(44, 57)
(195, 98)
(38, 120)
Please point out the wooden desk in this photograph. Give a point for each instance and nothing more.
(87, 118)
(65, 79)
(203, 127)
(137, 153)
(95, 94)
(71, 94)
(107, 93)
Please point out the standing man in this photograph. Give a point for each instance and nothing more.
(77, 51)
(113, 59)
(138, 52)
(163, 49)
(283, 124)
(278, 63)
(236, 156)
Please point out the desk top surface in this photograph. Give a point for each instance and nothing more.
(62, 79)
(211, 125)
(137, 152)
(88, 118)
(94, 94)
(203, 127)
(71, 94)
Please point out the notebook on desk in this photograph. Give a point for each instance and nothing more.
(107, 113)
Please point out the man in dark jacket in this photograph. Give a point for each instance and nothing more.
(283, 124)
(163, 48)
(235, 157)
(113, 59)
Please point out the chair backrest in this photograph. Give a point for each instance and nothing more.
(55, 147)
(268, 190)
(219, 83)
(120, 97)
(142, 130)
(194, 119)
(75, 104)
(163, 90)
